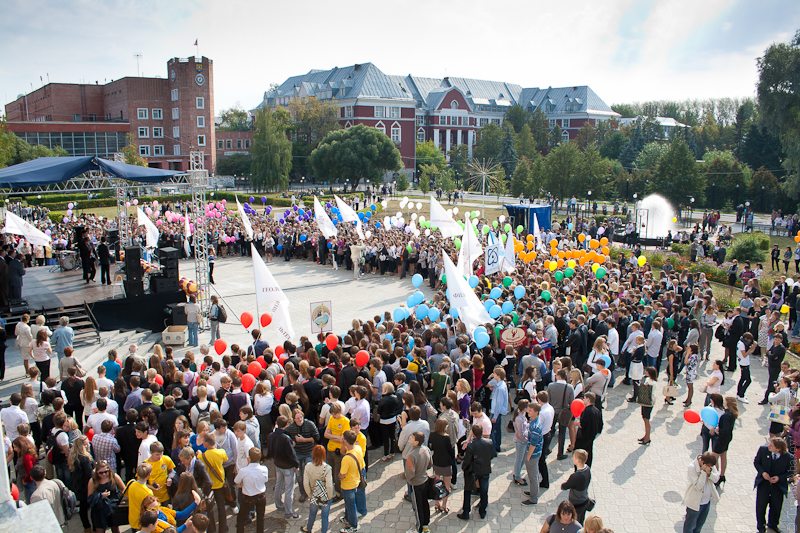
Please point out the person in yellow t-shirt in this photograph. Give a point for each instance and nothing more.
(137, 491)
(213, 458)
(361, 440)
(162, 467)
(355, 499)
(337, 425)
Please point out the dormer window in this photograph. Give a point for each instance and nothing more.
(453, 104)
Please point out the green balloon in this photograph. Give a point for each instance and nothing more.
(494, 224)
(559, 275)
(670, 323)
(485, 230)
(497, 330)
(475, 214)
(434, 228)
(520, 228)
(458, 243)
(444, 278)
(569, 272)
(507, 281)
(546, 296)
(600, 273)
(461, 224)
(514, 317)
(507, 228)
(503, 237)
(641, 301)
(410, 248)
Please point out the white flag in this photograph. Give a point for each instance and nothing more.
(245, 220)
(324, 222)
(471, 248)
(443, 221)
(188, 231)
(537, 233)
(268, 291)
(509, 258)
(492, 258)
(150, 228)
(349, 215)
(18, 226)
(463, 298)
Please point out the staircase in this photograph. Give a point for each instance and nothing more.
(80, 320)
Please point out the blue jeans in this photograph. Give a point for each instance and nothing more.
(519, 458)
(303, 460)
(796, 329)
(693, 523)
(63, 473)
(649, 361)
(312, 516)
(193, 327)
(483, 490)
(497, 432)
(350, 511)
(284, 490)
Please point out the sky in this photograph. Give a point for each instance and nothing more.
(626, 50)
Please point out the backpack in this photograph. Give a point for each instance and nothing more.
(69, 502)
(204, 415)
(222, 314)
(54, 454)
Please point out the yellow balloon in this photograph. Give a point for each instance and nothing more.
(553, 265)
(571, 263)
(642, 260)
(785, 308)
(583, 298)
(674, 219)
(595, 266)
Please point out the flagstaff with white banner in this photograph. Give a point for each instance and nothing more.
(324, 222)
(441, 219)
(19, 226)
(509, 259)
(349, 215)
(492, 257)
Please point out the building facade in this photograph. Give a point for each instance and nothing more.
(449, 111)
(167, 117)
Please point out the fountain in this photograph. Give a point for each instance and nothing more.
(654, 216)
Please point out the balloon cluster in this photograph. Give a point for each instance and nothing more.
(189, 286)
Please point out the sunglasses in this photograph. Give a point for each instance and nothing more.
(103, 473)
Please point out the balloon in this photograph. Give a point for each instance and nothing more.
(577, 407)
(158, 379)
(581, 237)
(15, 491)
(553, 266)
(246, 319)
(481, 339)
(254, 368)
(495, 311)
(263, 199)
(520, 228)
(266, 320)
(670, 323)
(422, 311)
(473, 281)
(507, 307)
(331, 341)
(418, 297)
(674, 219)
(606, 359)
(416, 279)
(410, 301)
(569, 272)
(559, 276)
(485, 230)
(278, 391)
(70, 205)
(642, 260)
(600, 273)
(398, 314)
(220, 346)
(362, 358)
(488, 304)
(571, 264)
(262, 362)
(709, 416)
(248, 382)
(507, 281)
(546, 296)
(433, 314)
(784, 309)
(495, 293)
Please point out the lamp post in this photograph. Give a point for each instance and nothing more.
(713, 189)
(627, 186)
(737, 195)
(588, 202)
(763, 207)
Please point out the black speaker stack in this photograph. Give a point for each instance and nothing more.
(112, 239)
(166, 280)
(134, 285)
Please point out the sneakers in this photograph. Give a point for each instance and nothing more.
(235, 510)
(351, 530)
(743, 399)
(294, 516)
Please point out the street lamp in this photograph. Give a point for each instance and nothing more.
(588, 201)
(713, 189)
(763, 207)
(737, 194)
(627, 186)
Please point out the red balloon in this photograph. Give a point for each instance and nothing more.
(266, 320)
(318, 372)
(158, 379)
(119, 362)
(202, 367)
(278, 393)
(577, 408)
(331, 341)
(254, 369)
(691, 416)
(246, 319)
(362, 358)
(248, 382)
(278, 350)
(90, 434)
(15, 491)
(262, 362)
(283, 358)
(278, 379)
(220, 346)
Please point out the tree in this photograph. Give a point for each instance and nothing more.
(631, 150)
(526, 144)
(540, 130)
(357, 153)
(131, 152)
(560, 168)
(312, 120)
(613, 145)
(234, 119)
(271, 151)
(490, 142)
(446, 180)
(723, 173)
(761, 148)
(6, 144)
(626, 110)
(402, 183)
(593, 173)
(508, 155)
(459, 161)
(516, 116)
(429, 154)
(522, 180)
(650, 156)
(677, 176)
(763, 178)
(234, 165)
(587, 136)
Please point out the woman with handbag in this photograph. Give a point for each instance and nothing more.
(104, 493)
(691, 361)
(636, 372)
(646, 398)
(443, 452)
(673, 362)
(318, 483)
(709, 433)
(725, 434)
(780, 399)
(520, 426)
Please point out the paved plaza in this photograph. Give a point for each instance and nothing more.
(637, 488)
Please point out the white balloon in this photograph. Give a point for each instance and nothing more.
(790, 282)
(384, 203)
(386, 220)
(405, 199)
(399, 214)
(455, 210)
(474, 221)
(427, 232)
(450, 212)
(502, 218)
(419, 205)
(403, 204)
(416, 233)
(421, 218)
(413, 216)
(368, 234)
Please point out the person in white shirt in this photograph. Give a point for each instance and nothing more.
(112, 407)
(252, 480)
(629, 347)
(13, 416)
(147, 439)
(95, 420)
(243, 445)
(546, 418)
(102, 380)
(744, 348)
(653, 343)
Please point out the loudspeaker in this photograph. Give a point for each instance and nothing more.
(161, 284)
(133, 265)
(133, 288)
(113, 243)
(176, 315)
(78, 234)
(171, 273)
(167, 253)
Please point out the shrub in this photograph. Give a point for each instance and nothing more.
(748, 247)
(56, 217)
(681, 249)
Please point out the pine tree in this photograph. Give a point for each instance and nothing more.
(508, 155)
(632, 148)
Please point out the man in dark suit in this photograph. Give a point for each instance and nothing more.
(775, 357)
(198, 471)
(104, 254)
(15, 273)
(773, 465)
(128, 443)
(561, 395)
(572, 346)
(166, 422)
(735, 333)
(590, 425)
(4, 273)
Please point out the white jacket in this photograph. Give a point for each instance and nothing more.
(697, 482)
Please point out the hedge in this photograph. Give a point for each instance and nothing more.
(57, 198)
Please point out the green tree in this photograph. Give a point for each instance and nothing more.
(459, 161)
(677, 176)
(6, 144)
(312, 120)
(650, 156)
(779, 103)
(131, 152)
(429, 154)
(234, 165)
(526, 144)
(766, 179)
(761, 148)
(555, 137)
(723, 173)
(587, 136)
(402, 183)
(446, 181)
(271, 151)
(540, 130)
(357, 153)
(522, 180)
(234, 119)
(560, 169)
(508, 155)
(631, 150)
(490, 143)
(516, 116)
(626, 110)
(594, 173)
(612, 146)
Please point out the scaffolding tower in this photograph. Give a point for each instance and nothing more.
(121, 190)
(198, 179)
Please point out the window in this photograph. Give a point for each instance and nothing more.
(565, 136)
(174, 95)
(496, 121)
(565, 123)
(394, 112)
(453, 104)
(484, 121)
(92, 117)
(380, 127)
(176, 132)
(158, 133)
(348, 111)
(144, 150)
(228, 144)
(144, 133)
(380, 112)
(420, 120)
(175, 113)
(77, 117)
(395, 133)
(239, 144)
(201, 140)
(158, 114)
(552, 122)
(141, 113)
(176, 149)
(421, 135)
(247, 144)
(158, 149)
(201, 122)
(201, 102)
(108, 117)
(550, 108)
(219, 144)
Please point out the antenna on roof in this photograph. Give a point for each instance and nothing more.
(137, 56)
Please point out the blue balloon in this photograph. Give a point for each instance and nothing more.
(280, 247)
(481, 340)
(433, 314)
(454, 312)
(389, 336)
(416, 279)
(447, 293)
(335, 222)
(330, 245)
(495, 293)
(495, 311)
(328, 205)
(407, 311)
(473, 281)
(479, 329)
(519, 292)
(418, 297)
(411, 341)
(301, 212)
(339, 217)
(398, 314)
(442, 325)
(303, 238)
(606, 359)
(368, 214)
(410, 357)
(570, 226)
(378, 225)
(422, 311)
(709, 416)
(373, 207)
(507, 307)
(410, 301)
(361, 216)
(488, 304)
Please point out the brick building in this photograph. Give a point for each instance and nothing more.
(168, 117)
(233, 142)
(449, 111)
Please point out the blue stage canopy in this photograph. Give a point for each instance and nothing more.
(50, 170)
(524, 213)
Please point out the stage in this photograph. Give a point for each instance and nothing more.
(45, 289)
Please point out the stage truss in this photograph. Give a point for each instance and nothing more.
(198, 180)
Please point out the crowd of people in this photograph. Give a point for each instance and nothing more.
(185, 439)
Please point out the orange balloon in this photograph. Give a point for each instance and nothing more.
(528, 258)
(594, 243)
(553, 243)
(797, 239)
(561, 254)
(581, 237)
(600, 259)
(529, 238)
(530, 245)
(547, 264)
(532, 254)
(591, 255)
(603, 241)
(582, 261)
(553, 252)
(560, 263)
(606, 251)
